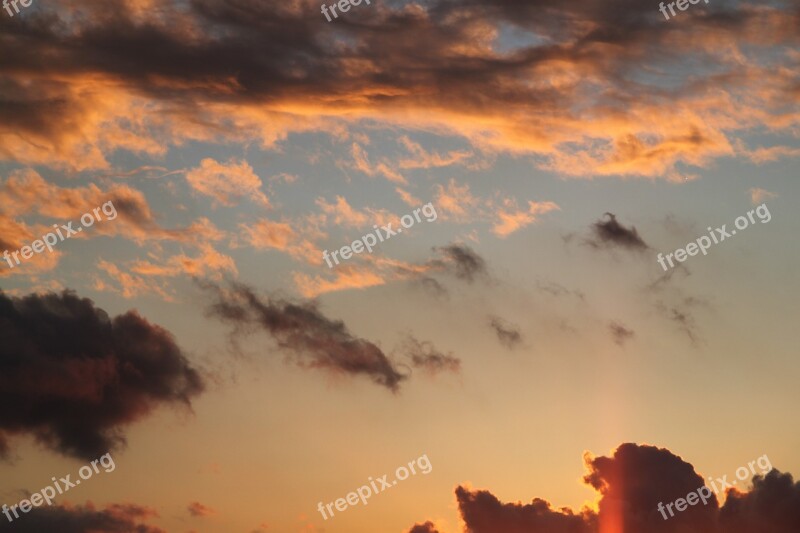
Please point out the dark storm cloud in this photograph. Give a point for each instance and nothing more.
(462, 261)
(120, 518)
(620, 333)
(425, 356)
(73, 377)
(508, 334)
(609, 233)
(631, 484)
(302, 331)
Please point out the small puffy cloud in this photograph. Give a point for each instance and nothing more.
(462, 261)
(610, 233)
(227, 183)
(197, 509)
(282, 236)
(758, 195)
(509, 218)
(427, 527)
(620, 333)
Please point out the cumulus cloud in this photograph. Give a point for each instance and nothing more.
(115, 518)
(773, 505)
(610, 233)
(73, 377)
(301, 330)
(631, 483)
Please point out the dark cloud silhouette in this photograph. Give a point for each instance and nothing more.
(620, 333)
(462, 261)
(73, 377)
(610, 233)
(508, 334)
(303, 332)
(427, 527)
(425, 356)
(632, 483)
(484, 513)
(773, 505)
(118, 518)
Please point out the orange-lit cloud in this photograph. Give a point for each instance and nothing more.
(227, 183)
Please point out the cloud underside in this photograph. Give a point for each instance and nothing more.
(82, 80)
(631, 484)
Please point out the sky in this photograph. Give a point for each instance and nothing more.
(256, 260)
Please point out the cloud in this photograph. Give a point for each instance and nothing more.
(758, 195)
(115, 518)
(427, 527)
(682, 316)
(620, 333)
(73, 377)
(421, 158)
(112, 84)
(425, 356)
(508, 334)
(197, 509)
(25, 193)
(310, 338)
(286, 237)
(462, 261)
(772, 505)
(227, 183)
(344, 215)
(631, 484)
(510, 218)
(362, 164)
(610, 233)
(345, 277)
(455, 201)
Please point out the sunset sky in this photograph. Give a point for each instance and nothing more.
(524, 338)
